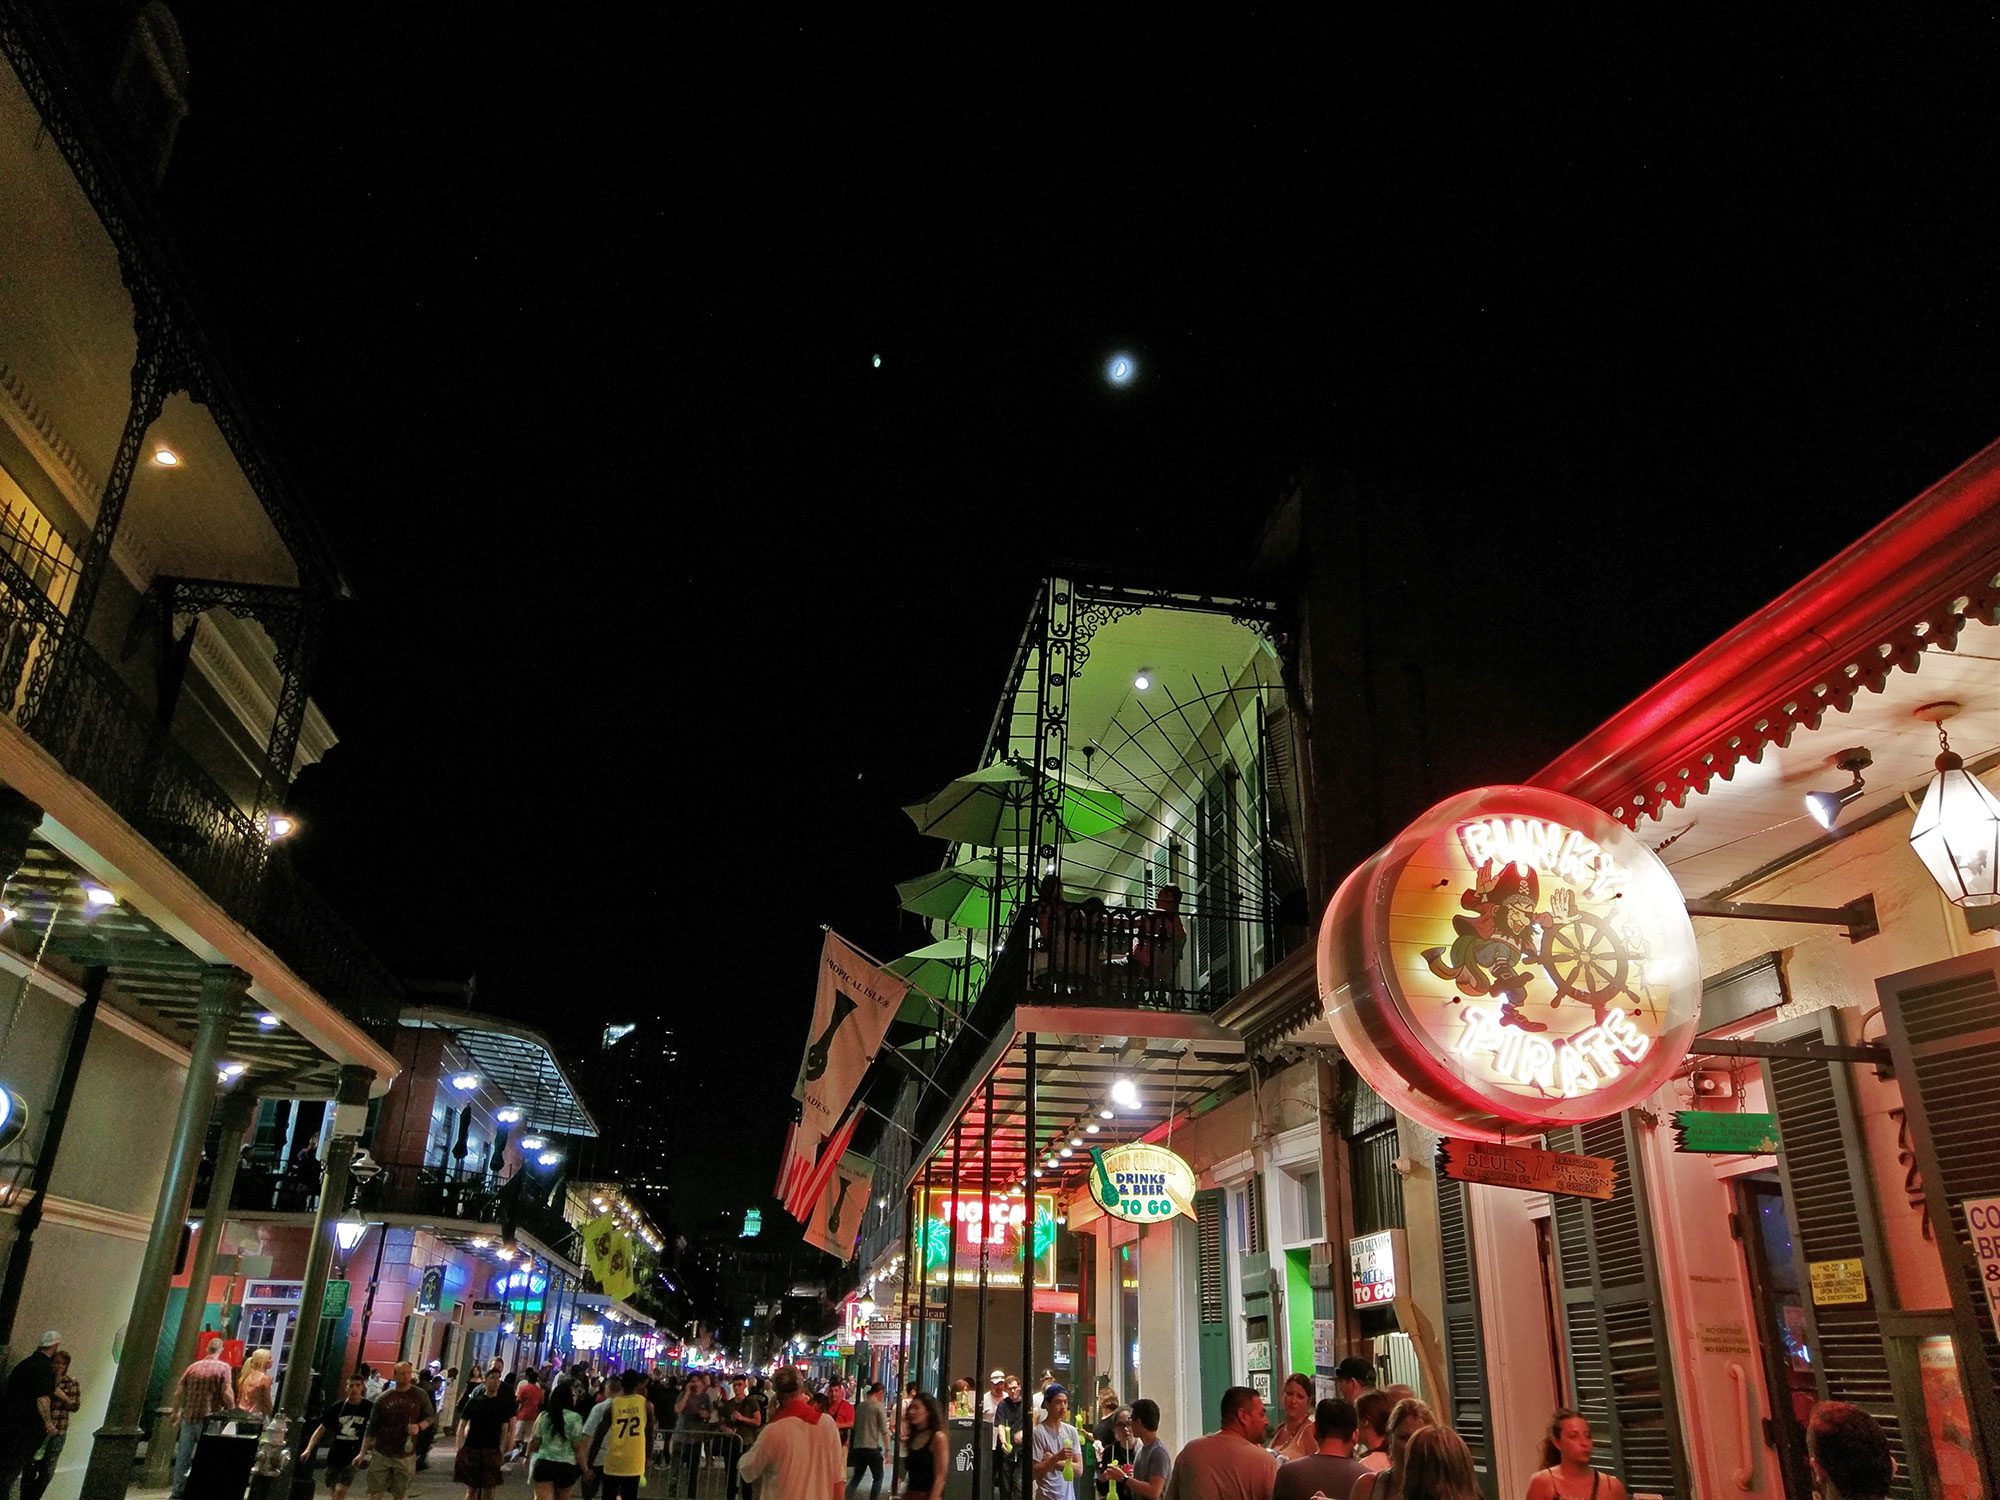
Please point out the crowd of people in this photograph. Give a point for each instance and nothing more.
(775, 1439)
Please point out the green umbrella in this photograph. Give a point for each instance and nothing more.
(963, 895)
(945, 971)
(989, 809)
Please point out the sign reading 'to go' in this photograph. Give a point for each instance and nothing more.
(1514, 960)
(1140, 1183)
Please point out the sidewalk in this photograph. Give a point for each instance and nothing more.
(436, 1483)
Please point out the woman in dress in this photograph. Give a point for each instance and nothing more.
(1294, 1437)
(559, 1449)
(923, 1447)
(253, 1386)
(1566, 1473)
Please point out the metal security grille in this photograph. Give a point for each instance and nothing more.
(1828, 1208)
(1378, 1186)
(1464, 1347)
(1944, 1032)
(1613, 1321)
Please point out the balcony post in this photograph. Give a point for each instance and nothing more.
(238, 1111)
(109, 1472)
(349, 1117)
(157, 370)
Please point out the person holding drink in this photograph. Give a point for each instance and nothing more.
(1058, 1449)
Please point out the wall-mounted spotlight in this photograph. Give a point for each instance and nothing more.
(1825, 806)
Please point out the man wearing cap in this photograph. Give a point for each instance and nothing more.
(989, 1407)
(1058, 1449)
(26, 1415)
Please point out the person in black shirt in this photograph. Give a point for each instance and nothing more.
(1119, 1445)
(342, 1428)
(482, 1427)
(27, 1418)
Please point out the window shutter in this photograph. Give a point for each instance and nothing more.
(1253, 1199)
(1614, 1325)
(1831, 1203)
(1943, 1022)
(1464, 1345)
(1211, 1296)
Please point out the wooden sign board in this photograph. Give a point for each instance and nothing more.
(1525, 1168)
(1701, 1130)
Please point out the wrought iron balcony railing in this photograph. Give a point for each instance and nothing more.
(1087, 953)
(56, 686)
(439, 1195)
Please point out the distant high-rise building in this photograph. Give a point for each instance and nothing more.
(635, 1093)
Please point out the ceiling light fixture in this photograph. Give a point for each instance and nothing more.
(533, 1142)
(1957, 831)
(1106, 1113)
(1825, 806)
(549, 1158)
(1092, 1128)
(165, 457)
(267, 1020)
(1143, 680)
(279, 826)
(465, 1080)
(1125, 1094)
(508, 1116)
(97, 895)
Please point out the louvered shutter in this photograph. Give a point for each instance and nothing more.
(1943, 1023)
(1830, 1201)
(1212, 1329)
(1614, 1324)
(1253, 1202)
(1464, 1345)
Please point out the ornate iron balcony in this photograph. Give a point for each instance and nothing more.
(56, 686)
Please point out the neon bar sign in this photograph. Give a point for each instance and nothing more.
(1513, 961)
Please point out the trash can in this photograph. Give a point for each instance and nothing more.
(962, 1436)
(222, 1459)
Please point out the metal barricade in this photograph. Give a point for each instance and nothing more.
(698, 1466)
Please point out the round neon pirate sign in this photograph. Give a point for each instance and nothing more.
(1514, 960)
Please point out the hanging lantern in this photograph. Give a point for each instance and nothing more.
(1957, 832)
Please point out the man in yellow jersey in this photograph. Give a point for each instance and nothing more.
(623, 1420)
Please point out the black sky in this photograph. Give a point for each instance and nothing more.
(666, 598)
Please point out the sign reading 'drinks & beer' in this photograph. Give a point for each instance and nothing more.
(1513, 962)
(1141, 1183)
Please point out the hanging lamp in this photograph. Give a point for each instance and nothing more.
(1957, 832)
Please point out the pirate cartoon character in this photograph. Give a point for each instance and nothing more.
(1504, 936)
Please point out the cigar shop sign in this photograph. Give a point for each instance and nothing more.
(1140, 1183)
(1514, 961)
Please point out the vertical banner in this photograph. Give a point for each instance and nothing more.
(855, 1005)
(836, 1219)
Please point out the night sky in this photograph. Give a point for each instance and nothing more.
(667, 598)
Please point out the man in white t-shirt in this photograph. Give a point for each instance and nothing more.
(1056, 1446)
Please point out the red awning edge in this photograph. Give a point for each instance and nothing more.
(1909, 584)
